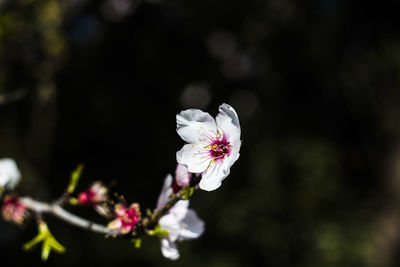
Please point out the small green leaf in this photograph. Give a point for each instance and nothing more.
(29, 245)
(186, 193)
(48, 242)
(73, 201)
(137, 242)
(157, 231)
(45, 251)
(55, 245)
(75, 175)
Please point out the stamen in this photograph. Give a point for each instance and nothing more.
(219, 147)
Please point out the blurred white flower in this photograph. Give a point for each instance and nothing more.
(9, 174)
(181, 223)
(213, 145)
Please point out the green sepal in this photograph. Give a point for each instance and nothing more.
(157, 231)
(186, 193)
(49, 243)
(75, 175)
(73, 201)
(137, 242)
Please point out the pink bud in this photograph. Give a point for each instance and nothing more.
(125, 218)
(96, 194)
(13, 210)
(182, 175)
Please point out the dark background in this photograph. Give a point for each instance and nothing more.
(316, 87)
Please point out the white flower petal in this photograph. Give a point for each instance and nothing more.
(211, 178)
(194, 226)
(9, 173)
(195, 157)
(170, 224)
(193, 124)
(230, 160)
(218, 171)
(228, 124)
(180, 209)
(235, 147)
(165, 192)
(228, 120)
(169, 249)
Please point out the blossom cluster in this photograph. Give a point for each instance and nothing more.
(212, 146)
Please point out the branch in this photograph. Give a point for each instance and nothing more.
(148, 223)
(151, 220)
(156, 216)
(58, 211)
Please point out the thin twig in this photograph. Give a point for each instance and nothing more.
(58, 211)
(156, 216)
(152, 220)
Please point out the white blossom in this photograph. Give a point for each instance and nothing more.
(9, 173)
(180, 222)
(213, 144)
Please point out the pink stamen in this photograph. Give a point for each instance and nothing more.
(219, 147)
(126, 218)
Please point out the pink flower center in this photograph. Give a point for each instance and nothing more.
(219, 148)
(129, 218)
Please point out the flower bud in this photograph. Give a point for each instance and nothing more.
(14, 210)
(96, 194)
(182, 175)
(125, 218)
